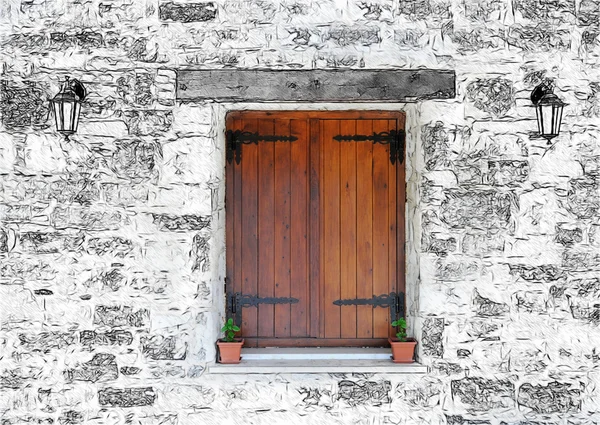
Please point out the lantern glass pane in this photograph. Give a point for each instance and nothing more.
(68, 116)
(546, 112)
(58, 115)
(538, 114)
(558, 118)
(76, 111)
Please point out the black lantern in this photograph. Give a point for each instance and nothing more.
(67, 106)
(548, 109)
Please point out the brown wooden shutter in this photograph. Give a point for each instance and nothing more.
(315, 227)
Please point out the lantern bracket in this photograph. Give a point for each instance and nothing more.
(77, 87)
(544, 88)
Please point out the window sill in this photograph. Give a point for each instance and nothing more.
(317, 361)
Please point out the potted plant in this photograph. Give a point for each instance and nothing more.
(403, 348)
(230, 347)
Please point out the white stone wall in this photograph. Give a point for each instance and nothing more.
(112, 244)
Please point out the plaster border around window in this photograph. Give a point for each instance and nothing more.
(414, 161)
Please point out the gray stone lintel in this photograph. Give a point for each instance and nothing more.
(350, 85)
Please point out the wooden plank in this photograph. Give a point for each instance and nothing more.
(348, 229)
(300, 288)
(316, 342)
(381, 159)
(249, 243)
(229, 228)
(401, 216)
(317, 114)
(392, 225)
(315, 230)
(350, 85)
(266, 224)
(237, 227)
(364, 230)
(330, 231)
(282, 228)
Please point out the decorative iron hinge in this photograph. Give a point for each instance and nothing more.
(235, 140)
(395, 301)
(394, 138)
(237, 300)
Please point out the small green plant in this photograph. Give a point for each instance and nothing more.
(230, 330)
(400, 324)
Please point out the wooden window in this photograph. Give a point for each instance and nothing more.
(315, 226)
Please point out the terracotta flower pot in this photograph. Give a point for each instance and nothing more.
(403, 352)
(229, 352)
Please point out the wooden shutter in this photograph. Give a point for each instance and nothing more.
(315, 227)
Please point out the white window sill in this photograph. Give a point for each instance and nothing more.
(316, 360)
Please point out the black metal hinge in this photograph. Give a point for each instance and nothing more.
(395, 138)
(237, 301)
(235, 139)
(393, 300)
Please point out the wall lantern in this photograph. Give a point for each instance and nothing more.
(548, 109)
(67, 106)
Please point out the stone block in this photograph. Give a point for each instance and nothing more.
(46, 341)
(124, 195)
(538, 38)
(583, 197)
(481, 209)
(568, 235)
(130, 370)
(102, 367)
(71, 417)
(461, 420)
(143, 50)
(438, 246)
(417, 10)
(126, 397)
(49, 243)
(23, 105)
(158, 347)
(112, 280)
(18, 270)
(187, 12)
(119, 316)
(589, 13)
(115, 337)
(361, 393)
(545, 273)
(554, 397)
(191, 160)
(144, 88)
(353, 36)
(89, 219)
(435, 139)
(449, 270)
(562, 11)
(483, 244)
(148, 123)
(484, 307)
(113, 246)
(495, 96)
(43, 154)
(180, 223)
(581, 260)
(507, 172)
(201, 253)
(7, 153)
(432, 337)
(481, 394)
(136, 160)
(104, 128)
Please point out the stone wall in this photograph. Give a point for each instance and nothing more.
(112, 244)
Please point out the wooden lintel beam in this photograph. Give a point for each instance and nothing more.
(352, 85)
